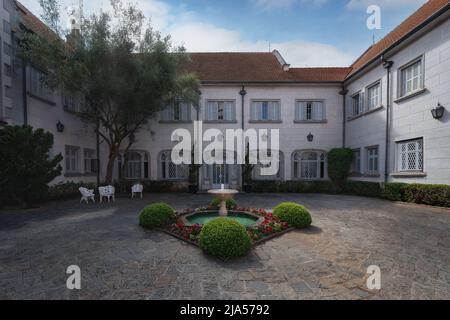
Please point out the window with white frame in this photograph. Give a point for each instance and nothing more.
(36, 85)
(356, 106)
(309, 111)
(374, 96)
(411, 78)
(72, 159)
(265, 111)
(309, 165)
(74, 103)
(134, 165)
(178, 111)
(257, 168)
(356, 161)
(372, 160)
(169, 170)
(410, 155)
(220, 111)
(90, 161)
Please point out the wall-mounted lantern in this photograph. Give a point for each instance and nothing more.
(60, 127)
(438, 112)
(310, 137)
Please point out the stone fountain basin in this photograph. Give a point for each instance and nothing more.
(248, 219)
(224, 194)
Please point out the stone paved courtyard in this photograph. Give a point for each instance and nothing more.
(119, 260)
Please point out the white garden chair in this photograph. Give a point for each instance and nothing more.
(86, 195)
(108, 192)
(136, 190)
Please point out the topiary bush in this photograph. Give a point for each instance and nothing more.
(231, 203)
(296, 215)
(157, 215)
(394, 191)
(339, 163)
(225, 238)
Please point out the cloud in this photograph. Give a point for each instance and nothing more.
(384, 4)
(282, 4)
(201, 37)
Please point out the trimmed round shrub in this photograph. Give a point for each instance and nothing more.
(231, 203)
(157, 215)
(225, 238)
(296, 215)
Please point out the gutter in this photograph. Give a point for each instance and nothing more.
(409, 34)
(235, 82)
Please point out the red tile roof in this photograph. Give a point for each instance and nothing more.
(33, 23)
(256, 67)
(397, 35)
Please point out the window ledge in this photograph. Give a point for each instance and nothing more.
(175, 121)
(365, 113)
(411, 95)
(265, 121)
(72, 174)
(47, 101)
(355, 174)
(370, 175)
(409, 174)
(310, 121)
(220, 121)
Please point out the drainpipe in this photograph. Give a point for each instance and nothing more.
(344, 93)
(387, 65)
(97, 136)
(243, 93)
(24, 93)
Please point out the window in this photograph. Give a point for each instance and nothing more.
(265, 111)
(410, 155)
(356, 105)
(7, 49)
(170, 171)
(309, 165)
(72, 159)
(309, 111)
(221, 111)
(7, 69)
(6, 27)
(8, 92)
(372, 160)
(374, 96)
(179, 111)
(134, 165)
(74, 103)
(356, 162)
(411, 78)
(36, 85)
(257, 169)
(90, 161)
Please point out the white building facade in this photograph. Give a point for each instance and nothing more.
(380, 107)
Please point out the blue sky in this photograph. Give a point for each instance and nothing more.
(306, 32)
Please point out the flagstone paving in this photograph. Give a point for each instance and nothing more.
(119, 260)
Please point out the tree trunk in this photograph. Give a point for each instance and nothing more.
(110, 167)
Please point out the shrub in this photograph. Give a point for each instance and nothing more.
(362, 188)
(339, 163)
(292, 187)
(26, 167)
(225, 238)
(157, 215)
(67, 190)
(434, 195)
(231, 203)
(394, 191)
(296, 215)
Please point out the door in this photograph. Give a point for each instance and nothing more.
(219, 176)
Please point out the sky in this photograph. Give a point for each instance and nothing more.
(308, 33)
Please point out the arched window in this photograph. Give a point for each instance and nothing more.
(309, 165)
(257, 169)
(136, 163)
(170, 171)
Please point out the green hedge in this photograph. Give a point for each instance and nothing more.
(157, 215)
(225, 238)
(68, 190)
(394, 191)
(296, 215)
(292, 187)
(434, 195)
(362, 188)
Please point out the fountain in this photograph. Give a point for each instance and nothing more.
(224, 195)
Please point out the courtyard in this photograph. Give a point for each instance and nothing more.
(120, 260)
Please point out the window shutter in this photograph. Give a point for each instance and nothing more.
(228, 112)
(301, 110)
(209, 112)
(185, 111)
(254, 111)
(274, 111)
(318, 111)
(348, 107)
(362, 103)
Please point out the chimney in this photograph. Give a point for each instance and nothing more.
(281, 60)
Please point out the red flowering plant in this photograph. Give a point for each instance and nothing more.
(187, 232)
(269, 226)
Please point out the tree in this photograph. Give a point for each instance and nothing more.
(339, 163)
(26, 167)
(122, 70)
